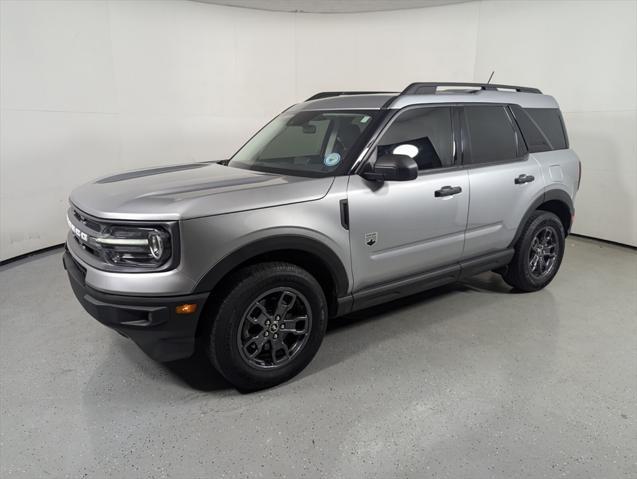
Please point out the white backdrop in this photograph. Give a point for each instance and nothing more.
(93, 87)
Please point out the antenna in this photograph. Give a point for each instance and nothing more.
(490, 77)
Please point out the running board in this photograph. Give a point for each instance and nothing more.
(487, 262)
(401, 287)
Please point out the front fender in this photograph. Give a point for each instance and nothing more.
(272, 244)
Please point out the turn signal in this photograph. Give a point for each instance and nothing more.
(187, 308)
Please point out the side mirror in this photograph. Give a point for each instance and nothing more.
(393, 168)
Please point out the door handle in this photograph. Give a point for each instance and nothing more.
(447, 191)
(524, 179)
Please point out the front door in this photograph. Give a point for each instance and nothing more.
(401, 228)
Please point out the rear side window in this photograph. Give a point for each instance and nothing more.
(424, 134)
(549, 120)
(491, 134)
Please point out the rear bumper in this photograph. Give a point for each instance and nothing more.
(151, 322)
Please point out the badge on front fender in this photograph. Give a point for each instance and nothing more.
(371, 238)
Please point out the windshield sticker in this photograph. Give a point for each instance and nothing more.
(332, 159)
(365, 119)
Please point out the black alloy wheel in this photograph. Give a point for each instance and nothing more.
(274, 328)
(543, 252)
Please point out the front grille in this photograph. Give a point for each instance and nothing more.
(91, 227)
(89, 223)
(87, 248)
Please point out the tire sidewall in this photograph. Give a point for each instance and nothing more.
(224, 347)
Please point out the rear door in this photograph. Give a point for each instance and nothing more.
(504, 179)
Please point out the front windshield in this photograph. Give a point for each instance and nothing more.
(305, 143)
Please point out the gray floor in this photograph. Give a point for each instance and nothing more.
(465, 381)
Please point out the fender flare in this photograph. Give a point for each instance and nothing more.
(549, 195)
(271, 245)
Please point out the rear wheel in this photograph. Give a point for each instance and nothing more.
(268, 327)
(538, 253)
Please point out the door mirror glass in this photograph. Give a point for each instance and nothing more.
(393, 168)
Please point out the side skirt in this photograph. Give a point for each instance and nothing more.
(399, 288)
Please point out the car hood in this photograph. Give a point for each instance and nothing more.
(192, 191)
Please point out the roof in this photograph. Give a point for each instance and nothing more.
(427, 93)
(526, 100)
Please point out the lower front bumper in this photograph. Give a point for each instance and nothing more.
(151, 322)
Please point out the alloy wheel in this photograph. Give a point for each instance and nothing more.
(274, 328)
(543, 252)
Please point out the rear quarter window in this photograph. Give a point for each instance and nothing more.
(542, 128)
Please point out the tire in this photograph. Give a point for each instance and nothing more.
(257, 323)
(525, 272)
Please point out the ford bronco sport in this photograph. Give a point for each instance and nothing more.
(341, 202)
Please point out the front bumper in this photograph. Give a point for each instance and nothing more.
(151, 322)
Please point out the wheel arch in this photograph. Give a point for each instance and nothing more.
(556, 201)
(314, 256)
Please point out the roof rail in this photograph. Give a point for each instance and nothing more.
(428, 88)
(327, 94)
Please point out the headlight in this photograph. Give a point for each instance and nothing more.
(135, 246)
(155, 245)
(125, 247)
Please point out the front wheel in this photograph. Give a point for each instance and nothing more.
(268, 327)
(538, 253)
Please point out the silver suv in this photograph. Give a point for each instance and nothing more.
(341, 202)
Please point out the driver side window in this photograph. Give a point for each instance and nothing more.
(424, 134)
